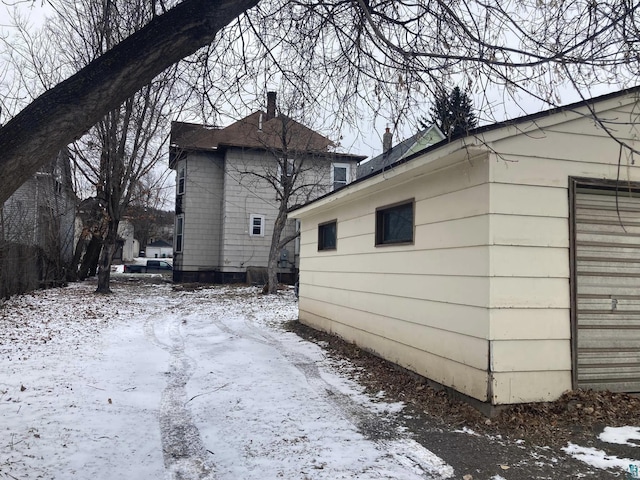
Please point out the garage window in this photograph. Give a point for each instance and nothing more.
(394, 224)
(327, 235)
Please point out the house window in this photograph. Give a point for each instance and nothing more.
(327, 235)
(394, 224)
(179, 233)
(181, 180)
(256, 225)
(290, 164)
(339, 175)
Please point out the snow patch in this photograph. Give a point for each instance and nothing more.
(598, 458)
(621, 435)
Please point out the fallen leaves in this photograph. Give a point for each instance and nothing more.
(576, 412)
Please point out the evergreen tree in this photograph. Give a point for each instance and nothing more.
(452, 113)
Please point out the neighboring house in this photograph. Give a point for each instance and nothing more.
(225, 205)
(158, 249)
(37, 226)
(91, 224)
(505, 264)
(391, 154)
(128, 246)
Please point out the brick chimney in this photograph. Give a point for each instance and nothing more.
(387, 138)
(271, 105)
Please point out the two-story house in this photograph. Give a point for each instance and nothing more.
(37, 229)
(231, 184)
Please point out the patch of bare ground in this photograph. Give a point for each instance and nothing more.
(577, 416)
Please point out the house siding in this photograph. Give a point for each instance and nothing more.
(38, 205)
(202, 226)
(246, 194)
(20, 215)
(37, 230)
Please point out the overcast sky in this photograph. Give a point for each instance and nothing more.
(366, 138)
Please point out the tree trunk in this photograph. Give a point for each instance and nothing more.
(106, 257)
(274, 251)
(68, 110)
(90, 258)
(74, 266)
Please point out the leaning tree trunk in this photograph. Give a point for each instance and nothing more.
(272, 266)
(68, 110)
(74, 266)
(106, 256)
(90, 258)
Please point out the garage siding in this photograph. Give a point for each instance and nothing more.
(490, 267)
(423, 306)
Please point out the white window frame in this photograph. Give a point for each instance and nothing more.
(252, 218)
(181, 186)
(347, 167)
(291, 167)
(179, 233)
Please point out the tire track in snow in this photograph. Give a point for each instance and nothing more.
(365, 420)
(382, 430)
(185, 456)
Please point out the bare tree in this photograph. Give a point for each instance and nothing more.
(294, 169)
(346, 57)
(130, 140)
(145, 211)
(66, 111)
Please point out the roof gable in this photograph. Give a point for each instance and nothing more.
(426, 138)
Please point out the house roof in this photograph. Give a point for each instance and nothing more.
(159, 244)
(476, 140)
(387, 158)
(254, 131)
(397, 152)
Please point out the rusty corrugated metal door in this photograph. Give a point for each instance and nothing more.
(607, 255)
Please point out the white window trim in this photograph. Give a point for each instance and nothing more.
(252, 217)
(340, 165)
(182, 173)
(291, 167)
(179, 219)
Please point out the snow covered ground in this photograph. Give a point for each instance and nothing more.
(152, 382)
